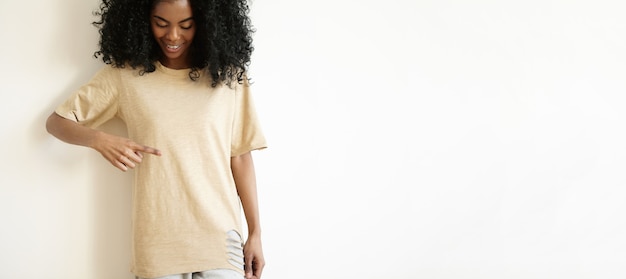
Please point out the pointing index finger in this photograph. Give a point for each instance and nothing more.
(151, 150)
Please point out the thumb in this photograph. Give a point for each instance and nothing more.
(248, 267)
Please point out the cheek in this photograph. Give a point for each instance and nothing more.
(191, 34)
(156, 32)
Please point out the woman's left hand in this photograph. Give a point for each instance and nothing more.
(253, 257)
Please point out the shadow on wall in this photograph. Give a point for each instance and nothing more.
(111, 188)
(109, 208)
(110, 204)
(112, 213)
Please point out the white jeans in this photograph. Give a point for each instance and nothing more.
(209, 274)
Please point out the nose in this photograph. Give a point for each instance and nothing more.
(173, 34)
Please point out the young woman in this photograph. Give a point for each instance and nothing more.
(176, 75)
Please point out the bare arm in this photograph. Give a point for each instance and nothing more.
(123, 153)
(245, 179)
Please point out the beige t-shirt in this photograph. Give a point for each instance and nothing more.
(186, 211)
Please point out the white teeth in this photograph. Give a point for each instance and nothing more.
(173, 46)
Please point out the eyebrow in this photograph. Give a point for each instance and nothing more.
(184, 20)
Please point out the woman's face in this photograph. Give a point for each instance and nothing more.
(173, 28)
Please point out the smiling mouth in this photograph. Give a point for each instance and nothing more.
(173, 47)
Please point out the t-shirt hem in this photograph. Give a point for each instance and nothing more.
(67, 114)
(246, 150)
(181, 271)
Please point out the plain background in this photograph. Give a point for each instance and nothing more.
(408, 139)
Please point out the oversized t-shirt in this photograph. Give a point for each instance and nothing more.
(186, 211)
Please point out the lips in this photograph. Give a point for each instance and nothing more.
(173, 48)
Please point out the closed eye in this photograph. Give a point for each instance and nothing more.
(162, 22)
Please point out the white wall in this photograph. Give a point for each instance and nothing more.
(409, 139)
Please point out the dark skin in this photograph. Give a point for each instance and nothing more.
(173, 28)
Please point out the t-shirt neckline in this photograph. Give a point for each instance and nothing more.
(173, 72)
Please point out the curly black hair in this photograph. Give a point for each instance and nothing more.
(222, 43)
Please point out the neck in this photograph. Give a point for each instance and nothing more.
(178, 64)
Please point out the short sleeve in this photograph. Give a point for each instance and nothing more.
(95, 102)
(247, 133)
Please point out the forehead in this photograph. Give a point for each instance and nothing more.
(172, 9)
